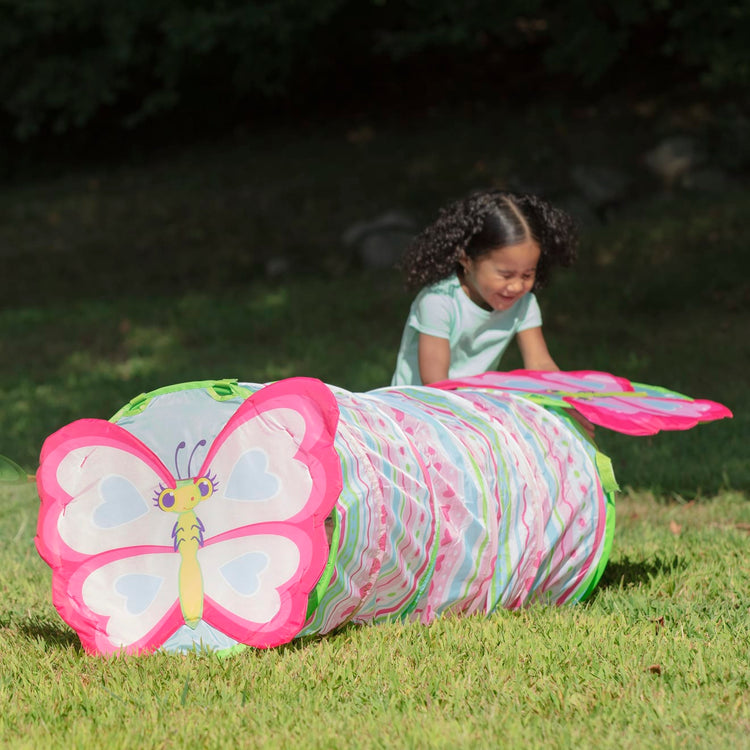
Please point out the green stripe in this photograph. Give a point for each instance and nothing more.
(589, 583)
(220, 390)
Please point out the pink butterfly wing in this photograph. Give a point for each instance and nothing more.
(263, 603)
(604, 399)
(282, 477)
(95, 482)
(647, 415)
(127, 602)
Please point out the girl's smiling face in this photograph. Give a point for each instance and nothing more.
(497, 280)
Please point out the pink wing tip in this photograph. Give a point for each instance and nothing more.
(605, 399)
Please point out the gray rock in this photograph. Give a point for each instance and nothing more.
(383, 250)
(673, 159)
(600, 186)
(277, 266)
(380, 243)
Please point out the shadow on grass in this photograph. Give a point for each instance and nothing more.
(58, 635)
(301, 643)
(628, 572)
(54, 634)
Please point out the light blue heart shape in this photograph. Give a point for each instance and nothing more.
(139, 591)
(242, 573)
(250, 479)
(122, 503)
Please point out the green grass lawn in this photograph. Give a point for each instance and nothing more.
(656, 658)
(122, 280)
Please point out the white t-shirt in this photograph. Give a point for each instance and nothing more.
(477, 337)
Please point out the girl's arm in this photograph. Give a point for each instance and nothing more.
(536, 356)
(534, 350)
(434, 356)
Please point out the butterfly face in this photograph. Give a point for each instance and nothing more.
(252, 517)
(185, 495)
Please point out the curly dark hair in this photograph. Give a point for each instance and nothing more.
(483, 222)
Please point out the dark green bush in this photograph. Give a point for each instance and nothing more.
(65, 61)
(66, 64)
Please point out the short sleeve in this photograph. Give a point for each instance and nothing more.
(433, 313)
(531, 317)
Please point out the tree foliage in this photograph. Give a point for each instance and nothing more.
(64, 64)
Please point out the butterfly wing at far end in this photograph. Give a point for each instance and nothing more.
(604, 399)
(645, 413)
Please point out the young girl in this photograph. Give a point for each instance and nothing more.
(477, 265)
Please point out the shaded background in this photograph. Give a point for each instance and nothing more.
(597, 105)
(198, 190)
(82, 66)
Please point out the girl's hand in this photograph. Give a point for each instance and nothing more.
(536, 356)
(534, 350)
(588, 427)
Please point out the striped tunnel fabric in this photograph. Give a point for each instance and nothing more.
(460, 502)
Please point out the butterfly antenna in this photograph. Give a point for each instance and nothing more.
(190, 460)
(176, 463)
